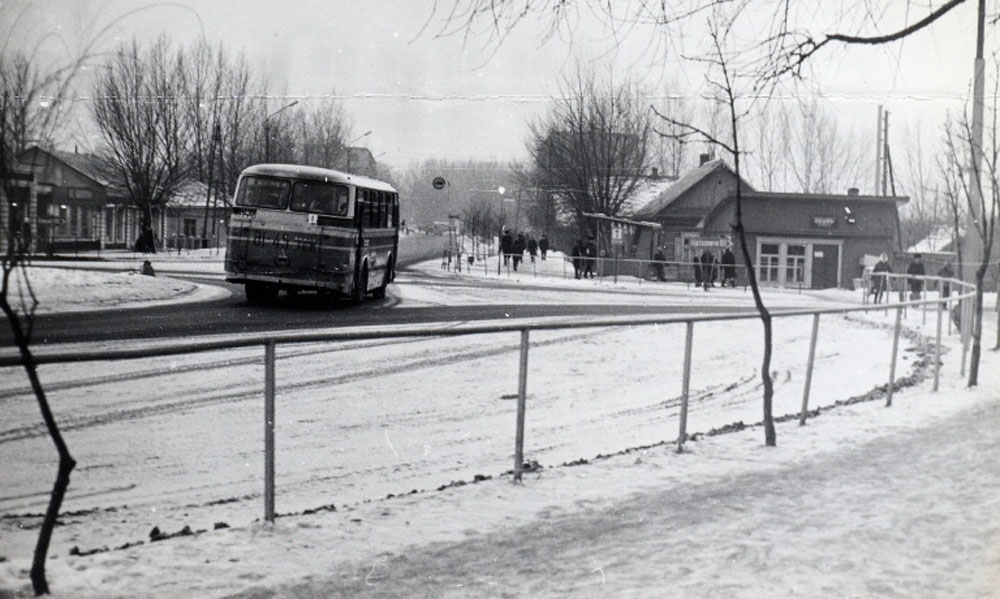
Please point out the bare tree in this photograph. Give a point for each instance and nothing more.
(981, 193)
(19, 303)
(146, 136)
(725, 89)
(320, 133)
(594, 146)
(670, 150)
(771, 147)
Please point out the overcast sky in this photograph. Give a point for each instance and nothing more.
(425, 96)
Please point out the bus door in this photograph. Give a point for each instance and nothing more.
(360, 215)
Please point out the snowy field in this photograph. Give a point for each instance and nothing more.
(391, 457)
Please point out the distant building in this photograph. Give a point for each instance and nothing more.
(192, 219)
(79, 208)
(794, 239)
(359, 161)
(941, 247)
(18, 207)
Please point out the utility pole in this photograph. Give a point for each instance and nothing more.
(878, 152)
(973, 240)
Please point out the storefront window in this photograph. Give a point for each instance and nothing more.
(769, 261)
(795, 263)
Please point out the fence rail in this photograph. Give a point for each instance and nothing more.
(962, 300)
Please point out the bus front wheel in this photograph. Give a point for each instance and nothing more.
(260, 294)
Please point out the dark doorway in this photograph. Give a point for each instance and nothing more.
(824, 266)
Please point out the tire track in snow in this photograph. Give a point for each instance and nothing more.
(248, 392)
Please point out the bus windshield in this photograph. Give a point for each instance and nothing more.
(263, 192)
(319, 197)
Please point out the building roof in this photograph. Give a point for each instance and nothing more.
(88, 165)
(194, 194)
(814, 197)
(682, 185)
(939, 241)
(647, 191)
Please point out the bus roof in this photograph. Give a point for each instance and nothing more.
(316, 173)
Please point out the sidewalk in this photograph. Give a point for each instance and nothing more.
(913, 514)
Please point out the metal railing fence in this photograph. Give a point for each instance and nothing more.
(962, 300)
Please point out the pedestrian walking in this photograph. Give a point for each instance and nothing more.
(728, 268)
(658, 259)
(707, 269)
(518, 250)
(532, 248)
(590, 257)
(506, 246)
(543, 246)
(946, 272)
(916, 270)
(880, 278)
(576, 255)
(696, 268)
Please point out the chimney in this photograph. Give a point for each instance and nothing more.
(703, 158)
(852, 191)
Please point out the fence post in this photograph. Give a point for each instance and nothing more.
(895, 349)
(809, 369)
(522, 392)
(686, 385)
(937, 349)
(269, 430)
(964, 330)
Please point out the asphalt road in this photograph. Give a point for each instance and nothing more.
(304, 311)
(233, 315)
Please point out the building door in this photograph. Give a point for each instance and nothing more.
(825, 259)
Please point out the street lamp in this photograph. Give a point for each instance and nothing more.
(267, 129)
(348, 146)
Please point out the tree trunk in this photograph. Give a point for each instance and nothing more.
(66, 461)
(977, 327)
(146, 242)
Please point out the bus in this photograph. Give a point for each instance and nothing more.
(302, 228)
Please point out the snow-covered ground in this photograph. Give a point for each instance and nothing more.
(175, 442)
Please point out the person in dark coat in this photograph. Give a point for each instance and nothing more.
(707, 269)
(543, 246)
(577, 255)
(728, 268)
(696, 268)
(915, 270)
(518, 250)
(880, 282)
(946, 272)
(658, 259)
(506, 246)
(532, 248)
(589, 258)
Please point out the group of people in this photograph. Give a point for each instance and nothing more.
(583, 256)
(915, 269)
(512, 248)
(706, 269)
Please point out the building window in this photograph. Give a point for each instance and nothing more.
(190, 227)
(795, 264)
(770, 258)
